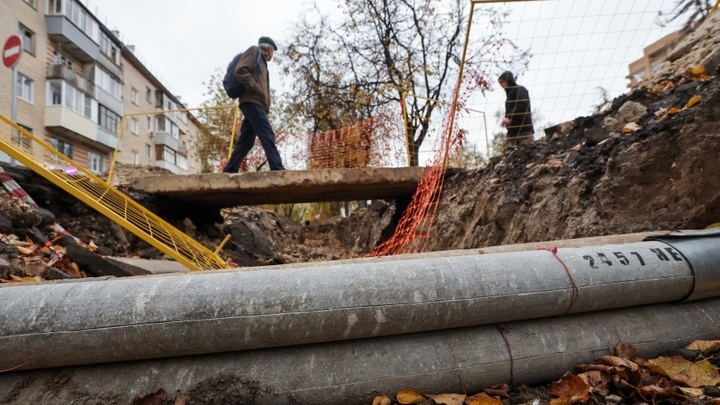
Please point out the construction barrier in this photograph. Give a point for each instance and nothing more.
(98, 194)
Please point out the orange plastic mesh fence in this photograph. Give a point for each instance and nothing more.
(343, 148)
(414, 227)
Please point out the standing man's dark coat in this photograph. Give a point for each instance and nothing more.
(518, 114)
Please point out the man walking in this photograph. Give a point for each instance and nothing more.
(255, 105)
(518, 116)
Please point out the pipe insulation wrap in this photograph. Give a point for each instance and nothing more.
(353, 372)
(198, 313)
(702, 251)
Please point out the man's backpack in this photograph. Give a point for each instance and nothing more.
(233, 88)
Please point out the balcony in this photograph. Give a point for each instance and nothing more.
(70, 76)
(65, 121)
(74, 41)
(165, 138)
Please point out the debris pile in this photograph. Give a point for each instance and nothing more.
(697, 55)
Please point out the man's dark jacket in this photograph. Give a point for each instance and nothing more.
(256, 82)
(517, 108)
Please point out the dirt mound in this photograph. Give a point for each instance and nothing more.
(594, 176)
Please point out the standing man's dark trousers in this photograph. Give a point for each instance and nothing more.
(255, 123)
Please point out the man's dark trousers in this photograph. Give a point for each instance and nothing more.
(255, 123)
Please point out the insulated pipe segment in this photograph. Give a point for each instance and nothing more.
(353, 372)
(211, 312)
(702, 251)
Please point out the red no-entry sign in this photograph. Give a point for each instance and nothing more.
(11, 51)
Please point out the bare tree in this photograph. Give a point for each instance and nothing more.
(695, 10)
(373, 56)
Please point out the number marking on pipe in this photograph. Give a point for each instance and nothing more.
(624, 259)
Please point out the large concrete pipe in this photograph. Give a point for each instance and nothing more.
(352, 372)
(174, 315)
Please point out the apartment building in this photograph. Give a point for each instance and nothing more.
(76, 80)
(654, 57)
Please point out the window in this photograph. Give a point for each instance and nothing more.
(21, 140)
(108, 119)
(28, 39)
(109, 48)
(60, 59)
(24, 88)
(73, 98)
(134, 126)
(160, 124)
(134, 96)
(182, 161)
(82, 19)
(148, 94)
(162, 152)
(148, 122)
(96, 163)
(169, 155)
(62, 147)
(148, 150)
(107, 82)
(135, 158)
(77, 101)
(55, 7)
(32, 3)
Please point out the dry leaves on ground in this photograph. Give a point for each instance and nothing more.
(671, 379)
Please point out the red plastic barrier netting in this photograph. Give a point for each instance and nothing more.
(414, 227)
(343, 148)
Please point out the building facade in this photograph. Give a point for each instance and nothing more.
(76, 80)
(654, 57)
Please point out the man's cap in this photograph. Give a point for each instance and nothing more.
(267, 40)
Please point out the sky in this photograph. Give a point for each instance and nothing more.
(576, 46)
(185, 41)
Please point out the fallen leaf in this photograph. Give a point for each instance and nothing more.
(25, 250)
(670, 111)
(631, 128)
(565, 400)
(382, 400)
(482, 399)
(571, 386)
(692, 392)
(407, 397)
(497, 390)
(34, 266)
(625, 351)
(597, 380)
(696, 71)
(616, 361)
(651, 392)
(693, 101)
(700, 374)
(182, 400)
(707, 347)
(154, 397)
(448, 399)
(68, 267)
(577, 147)
(598, 367)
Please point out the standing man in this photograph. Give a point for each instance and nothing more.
(255, 105)
(518, 116)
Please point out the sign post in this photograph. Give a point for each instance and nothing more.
(11, 52)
